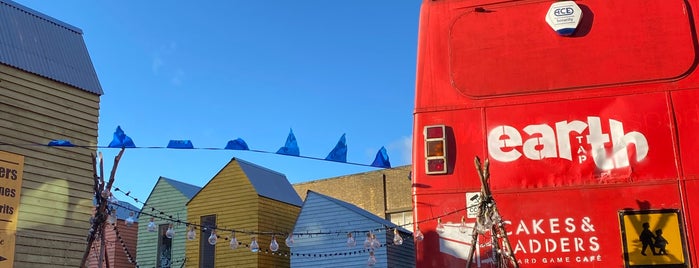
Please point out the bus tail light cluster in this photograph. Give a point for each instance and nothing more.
(435, 149)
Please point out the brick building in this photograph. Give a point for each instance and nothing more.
(386, 193)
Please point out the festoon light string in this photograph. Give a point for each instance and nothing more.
(369, 244)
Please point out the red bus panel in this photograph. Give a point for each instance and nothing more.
(646, 41)
(590, 137)
(582, 142)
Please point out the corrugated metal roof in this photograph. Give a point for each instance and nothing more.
(124, 209)
(186, 189)
(270, 184)
(358, 211)
(36, 43)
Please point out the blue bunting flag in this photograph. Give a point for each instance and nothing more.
(237, 144)
(64, 143)
(290, 147)
(120, 140)
(339, 153)
(180, 144)
(381, 159)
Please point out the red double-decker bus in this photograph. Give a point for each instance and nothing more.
(588, 114)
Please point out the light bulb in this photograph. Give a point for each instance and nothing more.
(350, 240)
(112, 199)
(151, 225)
(375, 242)
(274, 246)
(254, 247)
(367, 242)
(289, 240)
(418, 235)
(462, 227)
(440, 226)
(106, 193)
(111, 219)
(397, 240)
(191, 234)
(129, 221)
(170, 232)
(372, 259)
(213, 238)
(496, 218)
(484, 224)
(234, 241)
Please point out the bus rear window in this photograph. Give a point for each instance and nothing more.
(510, 49)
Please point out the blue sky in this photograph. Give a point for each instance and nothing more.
(213, 71)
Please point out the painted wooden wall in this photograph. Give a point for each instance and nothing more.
(116, 255)
(56, 199)
(232, 198)
(166, 198)
(277, 217)
(320, 214)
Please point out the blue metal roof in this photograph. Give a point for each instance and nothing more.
(270, 184)
(186, 189)
(39, 44)
(359, 211)
(124, 209)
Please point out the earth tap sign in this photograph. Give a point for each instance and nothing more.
(11, 169)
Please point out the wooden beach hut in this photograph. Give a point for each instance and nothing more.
(254, 201)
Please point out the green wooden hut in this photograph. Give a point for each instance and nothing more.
(165, 206)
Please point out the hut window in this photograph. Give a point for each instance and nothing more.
(207, 252)
(164, 248)
(402, 218)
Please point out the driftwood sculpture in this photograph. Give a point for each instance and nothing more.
(102, 193)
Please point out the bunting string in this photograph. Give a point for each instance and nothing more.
(337, 154)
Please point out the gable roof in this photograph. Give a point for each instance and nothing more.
(186, 189)
(42, 45)
(269, 183)
(124, 209)
(357, 210)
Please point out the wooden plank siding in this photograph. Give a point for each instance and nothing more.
(278, 217)
(56, 200)
(319, 214)
(232, 198)
(114, 250)
(166, 198)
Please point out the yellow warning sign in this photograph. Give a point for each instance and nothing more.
(11, 169)
(653, 238)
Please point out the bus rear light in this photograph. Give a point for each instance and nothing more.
(434, 165)
(435, 149)
(434, 132)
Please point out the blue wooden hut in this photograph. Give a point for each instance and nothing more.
(322, 231)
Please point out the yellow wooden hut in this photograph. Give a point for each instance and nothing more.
(251, 200)
(49, 91)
